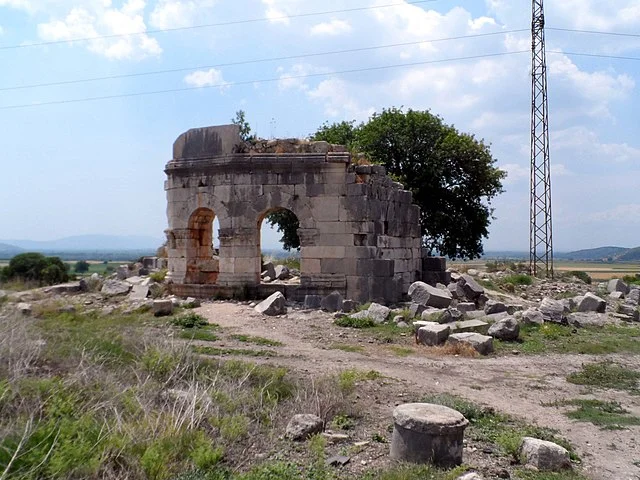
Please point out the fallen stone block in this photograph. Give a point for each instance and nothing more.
(433, 335)
(481, 343)
(587, 319)
(472, 290)
(281, 272)
(24, 308)
(543, 455)
(138, 292)
(378, 313)
(493, 306)
(115, 287)
(427, 295)
(506, 329)
(617, 285)
(465, 307)
(615, 296)
(553, 311)
(312, 302)
(467, 326)
(633, 296)
(631, 311)
(532, 316)
(592, 303)
(349, 306)
(303, 425)
(272, 306)
(268, 270)
(332, 302)
(162, 307)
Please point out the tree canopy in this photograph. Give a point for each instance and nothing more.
(35, 267)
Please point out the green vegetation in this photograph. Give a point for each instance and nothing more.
(607, 375)
(201, 334)
(399, 351)
(608, 415)
(579, 274)
(487, 425)
(350, 322)
(518, 279)
(555, 338)
(257, 340)
(159, 276)
(190, 320)
(217, 351)
(36, 269)
(81, 266)
(632, 279)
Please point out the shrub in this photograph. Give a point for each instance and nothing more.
(518, 279)
(351, 322)
(190, 320)
(584, 276)
(159, 276)
(35, 267)
(81, 266)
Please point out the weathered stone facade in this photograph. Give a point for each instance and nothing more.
(359, 231)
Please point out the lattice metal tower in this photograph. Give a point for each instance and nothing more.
(540, 233)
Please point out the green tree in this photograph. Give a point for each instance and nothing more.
(36, 267)
(81, 266)
(288, 225)
(245, 128)
(452, 175)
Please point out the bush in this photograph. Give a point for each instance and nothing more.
(159, 276)
(190, 320)
(351, 322)
(584, 276)
(518, 279)
(81, 267)
(35, 267)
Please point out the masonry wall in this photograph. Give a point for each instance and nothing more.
(359, 230)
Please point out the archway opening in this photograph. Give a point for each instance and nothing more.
(279, 246)
(202, 259)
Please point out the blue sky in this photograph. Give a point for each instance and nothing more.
(97, 166)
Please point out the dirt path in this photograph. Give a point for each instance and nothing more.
(517, 385)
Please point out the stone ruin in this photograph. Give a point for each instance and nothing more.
(359, 231)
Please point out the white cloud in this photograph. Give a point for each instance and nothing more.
(629, 213)
(178, 13)
(515, 173)
(1, 30)
(334, 95)
(334, 27)
(587, 144)
(80, 23)
(207, 78)
(277, 11)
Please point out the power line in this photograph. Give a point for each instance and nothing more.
(595, 55)
(219, 24)
(267, 80)
(262, 60)
(595, 32)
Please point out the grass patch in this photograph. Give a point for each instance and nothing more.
(555, 338)
(503, 431)
(190, 320)
(257, 340)
(347, 379)
(399, 351)
(610, 415)
(523, 474)
(201, 334)
(488, 284)
(607, 375)
(216, 351)
(518, 279)
(350, 322)
(347, 348)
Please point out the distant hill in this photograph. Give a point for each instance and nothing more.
(8, 251)
(631, 255)
(88, 243)
(596, 254)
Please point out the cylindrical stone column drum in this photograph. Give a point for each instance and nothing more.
(427, 433)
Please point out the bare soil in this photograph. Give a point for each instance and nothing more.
(514, 384)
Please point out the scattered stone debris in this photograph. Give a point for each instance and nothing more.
(162, 308)
(304, 425)
(275, 305)
(482, 344)
(543, 455)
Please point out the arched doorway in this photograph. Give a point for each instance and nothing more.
(279, 245)
(202, 262)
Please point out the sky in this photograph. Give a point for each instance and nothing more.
(71, 166)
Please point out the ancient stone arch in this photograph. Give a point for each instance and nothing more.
(359, 230)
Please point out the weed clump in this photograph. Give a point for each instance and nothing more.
(190, 320)
(350, 322)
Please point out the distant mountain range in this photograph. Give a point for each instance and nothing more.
(81, 243)
(600, 254)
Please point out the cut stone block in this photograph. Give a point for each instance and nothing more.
(433, 335)
(592, 303)
(552, 310)
(481, 343)
(532, 316)
(274, 305)
(312, 302)
(465, 307)
(332, 302)
(427, 295)
(426, 433)
(543, 455)
(617, 285)
(506, 329)
(378, 313)
(471, 288)
(467, 326)
(162, 307)
(492, 307)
